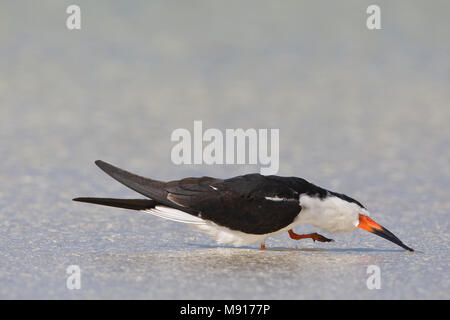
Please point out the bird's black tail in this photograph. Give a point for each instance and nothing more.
(133, 204)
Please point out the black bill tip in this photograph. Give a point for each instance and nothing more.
(386, 234)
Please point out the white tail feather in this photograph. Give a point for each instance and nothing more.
(175, 215)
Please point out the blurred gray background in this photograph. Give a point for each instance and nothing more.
(361, 112)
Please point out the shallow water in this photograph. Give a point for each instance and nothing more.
(361, 112)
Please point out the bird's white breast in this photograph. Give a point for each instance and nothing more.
(331, 214)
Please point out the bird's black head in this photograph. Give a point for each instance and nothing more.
(346, 198)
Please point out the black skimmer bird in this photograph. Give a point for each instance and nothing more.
(245, 209)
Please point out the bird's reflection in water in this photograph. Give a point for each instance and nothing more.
(308, 260)
(203, 272)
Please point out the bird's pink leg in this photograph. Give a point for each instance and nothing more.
(315, 236)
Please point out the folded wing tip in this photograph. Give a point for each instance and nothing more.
(100, 163)
(106, 167)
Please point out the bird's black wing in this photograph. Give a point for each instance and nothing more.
(154, 189)
(250, 203)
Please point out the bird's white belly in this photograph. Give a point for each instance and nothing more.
(221, 234)
(224, 235)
